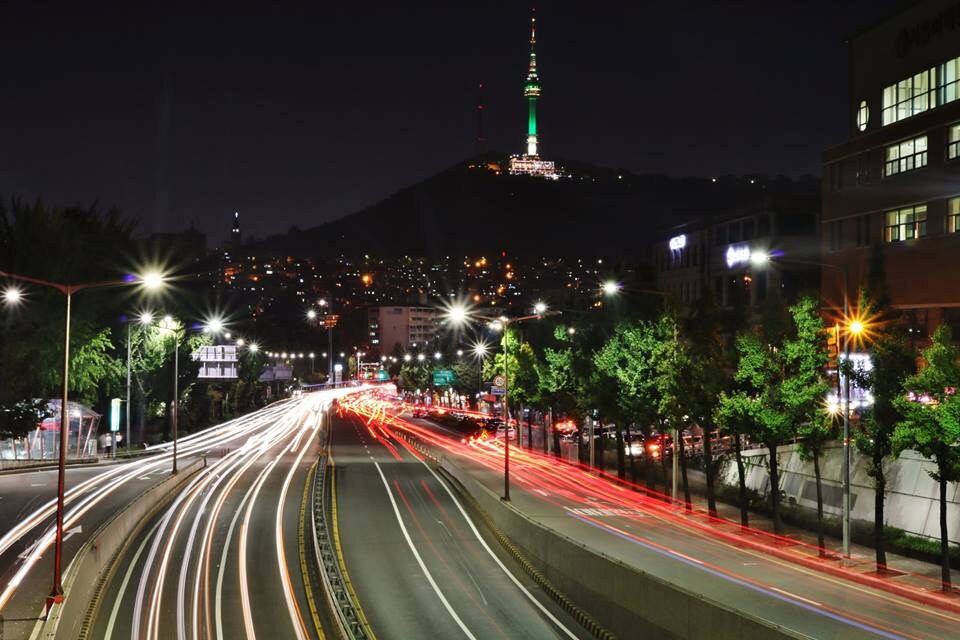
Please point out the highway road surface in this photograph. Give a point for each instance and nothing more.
(228, 557)
(421, 566)
(716, 561)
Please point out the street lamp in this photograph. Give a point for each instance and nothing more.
(854, 327)
(167, 323)
(611, 288)
(501, 324)
(12, 295)
(480, 350)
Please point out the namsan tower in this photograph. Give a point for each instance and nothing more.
(531, 91)
(530, 162)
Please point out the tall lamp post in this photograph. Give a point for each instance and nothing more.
(12, 295)
(167, 323)
(458, 315)
(854, 328)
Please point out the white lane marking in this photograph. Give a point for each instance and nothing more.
(115, 610)
(795, 596)
(416, 554)
(72, 532)
(38, 484)
(500, 564)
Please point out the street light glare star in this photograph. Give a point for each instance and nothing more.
(611, 287)
(254, 347)
(311, 314)
(540, 308)
(12, 295)
(759, 258)
(152, 280)
(214, 325)
(146, 318)
(240, 342)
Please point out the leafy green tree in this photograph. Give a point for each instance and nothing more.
(467, 377)
(931, 422)
(520, 366)
(759, 403)
(804, 388)
(734, 413)
(707, 377)
(893, 360)
(556, 379)
(415, 374)
(60, 245)
(630, 357)
(673, 370)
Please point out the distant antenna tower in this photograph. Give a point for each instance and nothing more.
(481, 141)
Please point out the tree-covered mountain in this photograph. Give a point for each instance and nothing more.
(593, 211)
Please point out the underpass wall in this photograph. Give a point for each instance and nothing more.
(91, 565)
(625, 600)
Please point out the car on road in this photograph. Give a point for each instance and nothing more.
(501, 430)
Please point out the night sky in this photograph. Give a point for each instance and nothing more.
(294, 114)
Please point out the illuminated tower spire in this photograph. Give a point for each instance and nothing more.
(235, 235)
(531, 90)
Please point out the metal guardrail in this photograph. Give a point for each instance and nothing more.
(348, 616)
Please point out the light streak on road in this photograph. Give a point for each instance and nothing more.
(560, 483)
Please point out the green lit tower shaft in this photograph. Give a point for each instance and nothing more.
(531, 90)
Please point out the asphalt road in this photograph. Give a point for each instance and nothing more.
(226, 558)
(27, 503)
(673, 545)
(420, 565)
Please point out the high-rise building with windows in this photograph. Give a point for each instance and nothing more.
(895, 182)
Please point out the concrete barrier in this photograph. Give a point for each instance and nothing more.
(15, 466)
(86, 573)
(626, 600)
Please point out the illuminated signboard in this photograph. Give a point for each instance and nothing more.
(738, 254)
(678, 242)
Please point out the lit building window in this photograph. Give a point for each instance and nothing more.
(953, 142)
(906, 156)
(910, 96)
(953, 215)
(863, 115)
(906, 224)
(950, 80)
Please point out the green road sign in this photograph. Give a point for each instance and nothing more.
(444, 377)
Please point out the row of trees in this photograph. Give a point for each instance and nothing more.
(74, 245)
(764, 382)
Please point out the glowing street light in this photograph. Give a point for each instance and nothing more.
(311, 315)
(213, 326)
(457, 314)
(407, 357)
(12, 296)
(421, 357)
(611, 288)
(240, 342)
(437, 355)
(540, 308)
(254, 347)
(151, 281)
